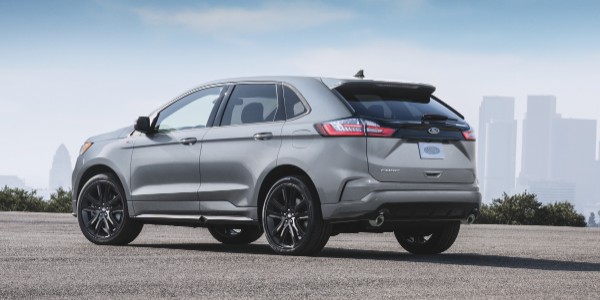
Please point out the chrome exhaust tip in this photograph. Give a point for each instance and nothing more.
(471, 219)
(377, 222)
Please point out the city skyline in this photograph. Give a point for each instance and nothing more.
(558, 155)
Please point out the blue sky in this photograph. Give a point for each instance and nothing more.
(72, 69)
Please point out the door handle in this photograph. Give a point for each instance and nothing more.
(263, 136)
(188, 140)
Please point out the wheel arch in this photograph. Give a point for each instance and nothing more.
(93, 171)
(276, 174)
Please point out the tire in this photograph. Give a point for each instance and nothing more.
(102, 212)
(235, 235)
(291, 218)
(428, 241)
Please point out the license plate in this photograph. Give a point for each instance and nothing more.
(431, 150)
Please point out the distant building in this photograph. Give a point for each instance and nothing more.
(60, 173)
(558, 154)
(593, 204)
(552, 191)
(573, 156)
(572, 148)
(12, 182)
(496, 152)
(537, 128)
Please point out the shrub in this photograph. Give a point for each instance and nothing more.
(15, 199)
(20, 200)
(524, 209)
(60, 201)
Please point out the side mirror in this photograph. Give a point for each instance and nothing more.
(142, 125)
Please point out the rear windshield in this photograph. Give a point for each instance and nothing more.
(394, 103)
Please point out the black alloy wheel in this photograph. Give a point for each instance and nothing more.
(292, 220)
(102, 212)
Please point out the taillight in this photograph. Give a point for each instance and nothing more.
(469, 135)
(373, 129)
(353, 127)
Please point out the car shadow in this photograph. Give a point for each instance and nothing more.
(464, 259)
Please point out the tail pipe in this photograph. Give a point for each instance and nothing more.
(378, 221)
(471, 219)
(472, 216)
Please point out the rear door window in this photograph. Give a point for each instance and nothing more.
(251, 103)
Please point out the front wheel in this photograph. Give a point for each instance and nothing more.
(291, 218)
(432, 240)
(235, 235)
(102, 212)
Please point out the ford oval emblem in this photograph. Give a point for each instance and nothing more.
(433, 150)
(433, 130)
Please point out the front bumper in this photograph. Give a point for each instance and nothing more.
(364, 199)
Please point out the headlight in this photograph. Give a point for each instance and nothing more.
(85, 147)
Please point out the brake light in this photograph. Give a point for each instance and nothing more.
(373, 129)
(353, 127)
(469, 135)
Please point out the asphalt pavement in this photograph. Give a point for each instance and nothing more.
(46, 256)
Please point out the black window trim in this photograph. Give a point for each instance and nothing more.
(447, 106)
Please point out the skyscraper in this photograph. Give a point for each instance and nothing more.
(572, 148)
(496, 152)
(559, 154)
(573, 154)
(60, 173)
(537, 128)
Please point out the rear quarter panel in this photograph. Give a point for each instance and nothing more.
(328, 161)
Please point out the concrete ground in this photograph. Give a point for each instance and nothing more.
(46, 256)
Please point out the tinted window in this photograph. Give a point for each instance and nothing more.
(192, 111)
(293, 105)
(393, 102)
(251, 103)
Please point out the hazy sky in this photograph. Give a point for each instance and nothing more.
(72, 69)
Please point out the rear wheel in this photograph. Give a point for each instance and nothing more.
(102, 212)
(428, 241)
(291, 218)
(235, 235)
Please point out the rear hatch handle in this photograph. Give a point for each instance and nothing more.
(433, 174)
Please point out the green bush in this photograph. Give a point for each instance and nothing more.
(15, 199)
(60, 201)
(562, 214)
(524, 209)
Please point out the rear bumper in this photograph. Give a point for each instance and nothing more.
(364, 199)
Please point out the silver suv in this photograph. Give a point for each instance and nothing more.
(298, 158)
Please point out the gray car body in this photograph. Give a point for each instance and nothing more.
(158, 173)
